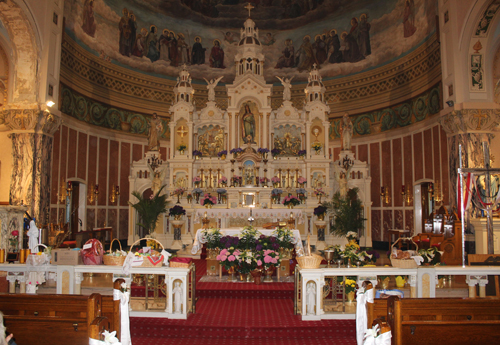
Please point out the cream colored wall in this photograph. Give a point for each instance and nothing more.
(5, 166)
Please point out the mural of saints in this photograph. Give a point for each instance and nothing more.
(210, 140)
(249, 119)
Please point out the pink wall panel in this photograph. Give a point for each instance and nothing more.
(114, 157)
(428, 145)
(124, 173)
(82, 156)
(136, 152)
(72, 153)
(418, 159)
(387, 223)
(375, 173)
(386, 169)
(336, 153)
(445, 167)
(408, 167)
(103, 176)
(92, 169)
(64, 152)
(376, 225)
(397, 167)
(362, 153)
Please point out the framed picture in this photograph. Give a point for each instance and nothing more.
(12, 257)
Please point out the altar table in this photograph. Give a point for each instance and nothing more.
(200, 238)
(277, 213)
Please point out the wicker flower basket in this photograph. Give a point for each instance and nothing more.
(403, 263)
(113, 260)
(153, 260)
(311, 260)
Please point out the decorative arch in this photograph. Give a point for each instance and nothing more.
(25, 51)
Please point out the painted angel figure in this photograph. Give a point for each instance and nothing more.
(287, 85)
(211, 88)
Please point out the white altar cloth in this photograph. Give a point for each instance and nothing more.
(200, 238)
(278, 213)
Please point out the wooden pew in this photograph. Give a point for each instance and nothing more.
(443, 320)
(376, 310)
(59, 319)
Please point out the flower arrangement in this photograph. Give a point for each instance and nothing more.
(319, 211)
(14, 239)
(250, 231)
(196, 179)
(197, 191)
(177, 210)
(276, 191)
(266, 242)
(213, 237)
(222, 153)
(248, 237)
(302, 180)
(179, 191)
(197, 153)
(182, 147)
(351, 236)
(431, 256)
(301, 191)
(264, 180)
(248, 261)
(271, 258)
(223, 180)
(319, 192)
(229, 241)
(291, 200)
(317, 146)
(229, 257)
(350, 285)
(285, 237)
(275, 152)
(208, 200)
(275, 179)
(302, 153)
(221, 191)
(263, 150)
(236, 150)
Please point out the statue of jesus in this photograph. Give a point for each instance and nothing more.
(346, 130)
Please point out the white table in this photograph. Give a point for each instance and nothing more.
(275, 213)
(200, 238)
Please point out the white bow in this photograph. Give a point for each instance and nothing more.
(124, 298)
(361, 317)
(166, 256)
(370, 335)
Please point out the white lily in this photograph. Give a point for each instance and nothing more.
(110, 338)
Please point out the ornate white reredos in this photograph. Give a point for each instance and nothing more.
(183, 106)
(211, 114)
(287, 114)
(252, 88)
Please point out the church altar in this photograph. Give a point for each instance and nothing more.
(276, 213)
(200, 238)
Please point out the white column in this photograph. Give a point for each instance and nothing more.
(326, 130)
(308, 139)
(190, 135)
(172, 141)
(78, 282)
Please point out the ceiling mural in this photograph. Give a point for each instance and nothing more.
(342, 37)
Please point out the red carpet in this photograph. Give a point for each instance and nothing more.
(241, 314)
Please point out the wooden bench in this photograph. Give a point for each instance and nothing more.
(443, 320)
(59, 319)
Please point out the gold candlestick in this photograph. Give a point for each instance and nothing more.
(210, 178)
(297, 178)
(279, 176)
(202, 177)
(288, 178)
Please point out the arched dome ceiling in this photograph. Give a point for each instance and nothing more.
(342, 36)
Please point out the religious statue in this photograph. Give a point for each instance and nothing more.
(156, 184)
(211, 88)
(343, 184)
(155, 127)
(287, 86)
(33, 237)
(311, 298)
(248, 126)
(177, 298)
(346, 130)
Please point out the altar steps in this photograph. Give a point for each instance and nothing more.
(242, 321)
(245, 290)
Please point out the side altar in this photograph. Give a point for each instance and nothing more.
(247, 156)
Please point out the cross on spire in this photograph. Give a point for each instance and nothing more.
(249, 8)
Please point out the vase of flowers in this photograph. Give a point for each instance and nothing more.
(236, 152)
(275, 180)
(220, 193)
(271, 260)
(177, 212)
(302, 153)
(319, 192)
(223, 181)
(189, 198)
(264, 181)
(301, 194)
(222, 154)
(349, 288)
(275, 153)
(178, 192)
(208, 201)
(257, 276)
(290, 201)
(302, 181)
(316, 146)
(237, 180)
(320, 212)
(196, 181)
(263, 152)
(14, 241)
(276, 195)
(196, 193)
(181, 148)
(432, 256)
(229, 259)
(197, 154)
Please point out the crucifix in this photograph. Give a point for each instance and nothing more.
(479, 116)
(22, 116)
(249, 8)
(182, 131)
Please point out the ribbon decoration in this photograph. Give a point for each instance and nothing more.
(166, 256)
(361, 317)
(124, 298)
(467, 192)
(371, 337)
(109, 339)
(418, 259)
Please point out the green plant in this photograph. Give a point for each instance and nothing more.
(347, 213)
(149, 209)
(182, 147)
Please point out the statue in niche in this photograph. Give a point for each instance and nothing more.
(287, 86)
(346, 130)
(343, 184)
(154, 127)
(156, 183)
(311, 298)
(177, 298)
(248, 124)
(211, 88)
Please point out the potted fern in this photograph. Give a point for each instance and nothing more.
(347, 213)
(149, 209)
